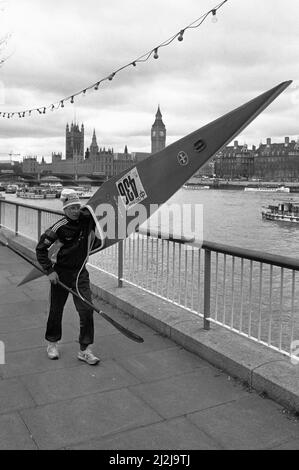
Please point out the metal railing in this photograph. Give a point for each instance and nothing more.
(251, 293)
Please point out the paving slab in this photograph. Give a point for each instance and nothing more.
(118, 345)
(15, 279)
(39, 307)
(4, 282)
(63, 384)
(9, 294)
(186, 393)
(4, 273)
(15, 267)
(124, 318)
(9, 257)
(103, 328)
(248, 423)
(34, 361)
(14, 396)
(154, 365)
(40, 292)
(16, 321)
(35, 337)
(75, 421)
(175, 434)
(14, 435)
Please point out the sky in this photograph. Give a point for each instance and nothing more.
(57, 48)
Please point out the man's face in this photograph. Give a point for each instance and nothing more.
(73, 211)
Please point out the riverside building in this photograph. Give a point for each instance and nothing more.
(269, 162)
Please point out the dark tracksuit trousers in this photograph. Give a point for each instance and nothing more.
(58, 298)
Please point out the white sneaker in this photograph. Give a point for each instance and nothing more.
(52, 351)
(88, 357)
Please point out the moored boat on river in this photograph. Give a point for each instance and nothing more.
(11, 189)
(36, 193)
(52, 188)
(284, 212)
(268, 189)
(195, 186)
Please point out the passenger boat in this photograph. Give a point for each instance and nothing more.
(195, 186)
(284, 211)
(11, 189)
(269, 189)
(51, 188)
(36, 193)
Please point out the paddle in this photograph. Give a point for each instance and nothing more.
(125, 331)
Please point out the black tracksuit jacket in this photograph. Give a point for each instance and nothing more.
(65, 245)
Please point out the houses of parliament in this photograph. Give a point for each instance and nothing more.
(270, 161)
(97, 161)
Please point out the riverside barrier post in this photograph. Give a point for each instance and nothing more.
(0, 212)
(39, 223)
(120, 263)
(207, 290)
(17, 220)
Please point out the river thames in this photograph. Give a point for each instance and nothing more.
(231, 217)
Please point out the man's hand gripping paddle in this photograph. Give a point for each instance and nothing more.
(125, 331)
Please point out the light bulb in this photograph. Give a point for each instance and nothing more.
(156, 56)
(180, 36)
(214, 17)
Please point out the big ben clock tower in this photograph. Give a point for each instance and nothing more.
(158, 133)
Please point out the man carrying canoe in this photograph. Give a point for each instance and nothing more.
(70, 240)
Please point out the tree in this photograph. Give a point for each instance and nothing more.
(3, 45)
(4, 38)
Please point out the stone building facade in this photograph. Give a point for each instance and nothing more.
(96, 160)
(277, 161)
(74, 141)
(269, 162)
(235, 161)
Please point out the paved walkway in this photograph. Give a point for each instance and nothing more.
(153, 395)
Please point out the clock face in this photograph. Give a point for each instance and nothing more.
(154, 133)
(161, 133)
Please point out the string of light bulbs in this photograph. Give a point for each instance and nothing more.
(143, 58)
